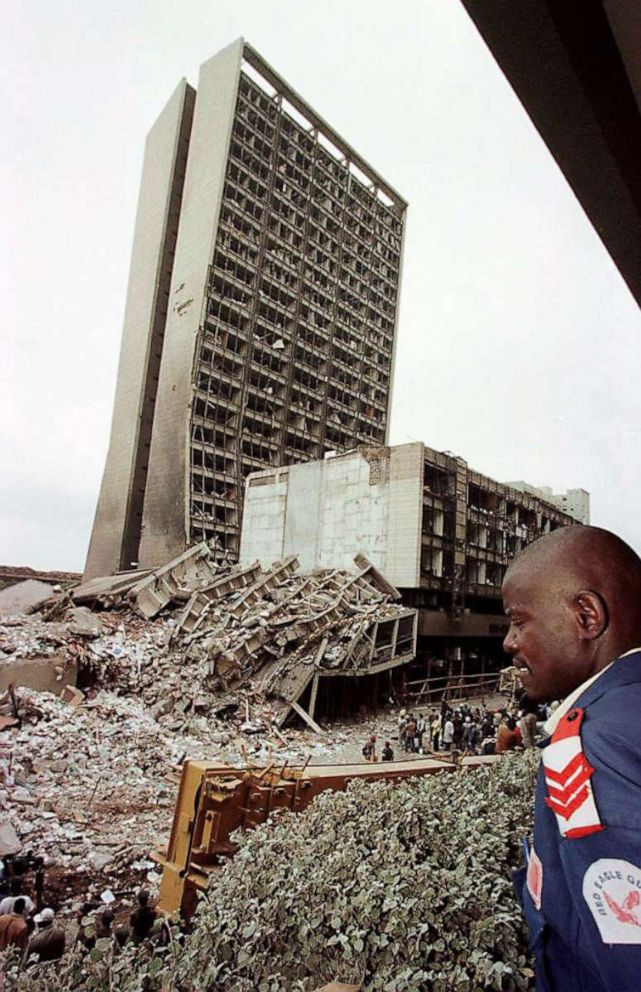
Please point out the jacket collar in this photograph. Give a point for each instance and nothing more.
(624, 670)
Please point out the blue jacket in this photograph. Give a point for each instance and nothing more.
(581, 894)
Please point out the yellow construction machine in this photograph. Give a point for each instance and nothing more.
(215, 800)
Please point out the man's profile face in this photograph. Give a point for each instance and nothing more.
(543, 636)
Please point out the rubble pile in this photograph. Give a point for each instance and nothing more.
(230, 638)
(200, 659)
(388, 888)
(277, 628)
(89, 786)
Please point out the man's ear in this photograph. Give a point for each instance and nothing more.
(591, 614)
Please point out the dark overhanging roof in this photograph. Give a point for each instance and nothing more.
(575, 65)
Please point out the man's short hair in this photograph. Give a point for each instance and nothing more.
(19, 905)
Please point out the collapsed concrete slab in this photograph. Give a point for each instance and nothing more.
(45, 673)
(23, 596)
(107, 589)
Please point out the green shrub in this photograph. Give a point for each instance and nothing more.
(403, 888)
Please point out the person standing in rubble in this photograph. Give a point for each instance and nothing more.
(448, 733)
(422, 728)
(436, 731)
(387, 754)
(48, 942)
(467, 733)
(410, 734)
(402, 725)
(369, 749)
(142, 919)
(459, 728)
(14, 929)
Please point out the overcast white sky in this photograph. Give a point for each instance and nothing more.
(518, 340)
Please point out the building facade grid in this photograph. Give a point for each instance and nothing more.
(472, 528)
(295, 355)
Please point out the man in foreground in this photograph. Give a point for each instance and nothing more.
(573, 599)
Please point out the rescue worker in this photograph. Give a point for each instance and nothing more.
(573, 599)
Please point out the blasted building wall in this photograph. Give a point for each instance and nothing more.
(116, 528)
(325, 512)
(165, 530)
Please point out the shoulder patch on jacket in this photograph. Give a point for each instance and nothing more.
(567, 776)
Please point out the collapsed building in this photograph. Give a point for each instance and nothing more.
(441, 532)
(261, 313)
(301, 643)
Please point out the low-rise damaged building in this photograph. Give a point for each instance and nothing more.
(441, 532)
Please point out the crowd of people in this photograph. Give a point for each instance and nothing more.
(37, 934)
(464, 729)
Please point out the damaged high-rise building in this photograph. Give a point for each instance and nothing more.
(261, 311)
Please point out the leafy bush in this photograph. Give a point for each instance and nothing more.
(404, 887)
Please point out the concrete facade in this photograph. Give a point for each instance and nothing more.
(117, 524)
(166, 514)
(277, 338)
(576, 502)
(326, 512)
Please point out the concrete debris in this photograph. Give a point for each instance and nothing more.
(200, 659)
(20, 597)
(72, 695)
(46, 673)
(190, 571)
(84, 623)
(9, 840)
(269, 634)
(88, 787)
